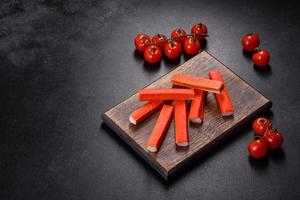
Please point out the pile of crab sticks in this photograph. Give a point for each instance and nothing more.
(153, 48)
(173, 101)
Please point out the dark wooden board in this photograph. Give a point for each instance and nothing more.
(247, 101)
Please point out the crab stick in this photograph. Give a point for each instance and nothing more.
(205, 84)
(144, 111)
(197, 107)
(160, 129)
(223, 99)
(181, 126)
(166, 94)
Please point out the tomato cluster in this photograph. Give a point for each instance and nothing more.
(267, 138)
(153, 48)
(260, 57)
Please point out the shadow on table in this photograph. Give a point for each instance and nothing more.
(277, 155)
(151, 67)
(263, 72)
(205, 156)
(171, 63)
(247, 55)
(259, 164)
(138, 56)
(262, 165)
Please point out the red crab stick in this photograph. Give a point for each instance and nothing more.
(181, 126)
(160, 129)
(205, 84)
(144, 111)
(223, 99)
(197, 107)
(166, 94)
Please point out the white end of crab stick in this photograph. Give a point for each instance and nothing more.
(161, 128)
(152, 149)
(183, 144)
(144, 111)
(196, 121)
(132, 121)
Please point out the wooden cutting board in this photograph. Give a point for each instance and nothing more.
(247, 101)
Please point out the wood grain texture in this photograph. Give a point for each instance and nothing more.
(246, 100)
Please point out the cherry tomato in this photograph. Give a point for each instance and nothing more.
(274, 139)
(160, 37)
(261, 125)
(191, 45)
(177, 33)
(250, 41)
(172, 49)
(261, 58)
(199, 29)
(141, 41)
(152, 54)
(258, 148)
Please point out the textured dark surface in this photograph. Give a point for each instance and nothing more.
(63, 63)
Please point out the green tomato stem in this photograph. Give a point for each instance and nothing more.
(172, 39)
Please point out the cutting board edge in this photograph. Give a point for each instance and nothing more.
(231, 131)
(137, 148)
(167, 173)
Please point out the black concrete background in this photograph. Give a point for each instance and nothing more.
(63, 63)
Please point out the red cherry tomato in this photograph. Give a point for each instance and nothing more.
(274, 139)
(199, 29)
(172, 49)
(261, 125)
(258, 148)
(159, 38)
(152, 54)
(250, 42)
(191, 45)
(261, 58)
(141, 41)
(177, 33)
